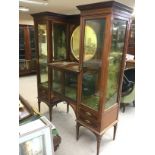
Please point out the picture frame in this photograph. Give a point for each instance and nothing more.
(36, 142)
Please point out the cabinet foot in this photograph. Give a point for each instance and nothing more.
(115, 129)
(50, 112)
(67, 107)
(39, 102)
(98, 139)
(77, 130)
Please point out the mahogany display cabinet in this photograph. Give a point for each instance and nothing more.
(52, 34)
(85, 70)
(93, 81)
(102, 57)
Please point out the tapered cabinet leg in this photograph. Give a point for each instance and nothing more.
(123, 108)
(98, 138)
(50, 112)
(39, 105)
(77, 130)
(67, 107)
(114, 134)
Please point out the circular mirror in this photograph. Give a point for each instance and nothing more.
(90, 43)
(75, 42)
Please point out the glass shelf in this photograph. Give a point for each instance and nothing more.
(66, 66)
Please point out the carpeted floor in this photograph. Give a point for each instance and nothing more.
(65, 123)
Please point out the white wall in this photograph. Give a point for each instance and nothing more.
(25, 19)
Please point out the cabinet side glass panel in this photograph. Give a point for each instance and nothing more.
(115, 60)
(60, 44)
(93, 47)
(42, 39)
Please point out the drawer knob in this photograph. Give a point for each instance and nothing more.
(87, 121)
(88, 113)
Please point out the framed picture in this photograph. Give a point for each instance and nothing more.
(36, 142)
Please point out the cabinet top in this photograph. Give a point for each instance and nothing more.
(67, 66)
(51, 14)
(108, 4)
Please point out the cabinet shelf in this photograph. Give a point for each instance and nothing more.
(66, 66)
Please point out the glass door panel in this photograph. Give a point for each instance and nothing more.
(93, 47)
(60, 43)
(42, 39)
(115, 59)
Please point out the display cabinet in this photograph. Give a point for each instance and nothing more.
(84, 66)
(27, 54)
(52, 45)
(103, 45)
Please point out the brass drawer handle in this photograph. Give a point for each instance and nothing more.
(87, 121)
(88, 113)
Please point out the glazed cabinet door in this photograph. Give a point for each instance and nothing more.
(92, 55)
(94, 32)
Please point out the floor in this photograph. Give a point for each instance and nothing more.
(65, 124)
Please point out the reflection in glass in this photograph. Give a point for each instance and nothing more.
(60, 46)
(42, 37)
(34, 146)
(115, 59)
(93, 47)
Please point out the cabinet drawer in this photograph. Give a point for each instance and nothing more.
(88, 113)
(88, 122)
(88, 116)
